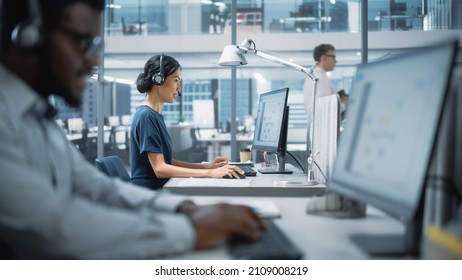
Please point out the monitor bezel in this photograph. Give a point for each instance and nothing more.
(273, 149)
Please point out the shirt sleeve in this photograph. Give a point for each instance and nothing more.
(98, 218)
(149, 135)
(90, 183)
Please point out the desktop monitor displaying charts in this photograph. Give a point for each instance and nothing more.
(271, 125)
(386, 147)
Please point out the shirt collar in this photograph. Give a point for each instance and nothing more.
(20, 97)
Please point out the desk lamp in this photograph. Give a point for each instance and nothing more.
(233, 55)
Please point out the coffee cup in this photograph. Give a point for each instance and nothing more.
(245, 155)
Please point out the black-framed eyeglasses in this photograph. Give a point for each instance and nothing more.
(89, 45)
(330, 55)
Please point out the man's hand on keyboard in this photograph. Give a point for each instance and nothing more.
(217, 222)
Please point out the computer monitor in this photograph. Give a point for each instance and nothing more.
(271, 125)
(386, 147)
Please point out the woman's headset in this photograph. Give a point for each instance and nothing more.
(159, 78)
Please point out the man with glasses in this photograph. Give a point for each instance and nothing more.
(53, 203)
(324, 57)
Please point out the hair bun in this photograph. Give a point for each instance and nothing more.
(142, 84)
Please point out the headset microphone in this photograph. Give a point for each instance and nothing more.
(179, 93)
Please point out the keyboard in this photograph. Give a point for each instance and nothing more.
(273, 245)
(241, 176)
(248, 169)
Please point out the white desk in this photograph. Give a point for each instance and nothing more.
(318, 238)
(279, 185)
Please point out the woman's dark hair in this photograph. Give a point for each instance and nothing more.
(320, 50)
(13, 12)
(144, 82)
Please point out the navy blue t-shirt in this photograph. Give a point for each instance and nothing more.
(148, 134)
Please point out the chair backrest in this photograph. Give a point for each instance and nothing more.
(75, 125)
(112, 166)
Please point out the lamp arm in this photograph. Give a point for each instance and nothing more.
(267, 56)
(244, 48)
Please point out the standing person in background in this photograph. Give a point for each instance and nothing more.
(54, 204)
(324, 56)
(150, 143)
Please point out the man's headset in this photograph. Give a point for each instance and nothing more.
(159, 77)
(28, 35)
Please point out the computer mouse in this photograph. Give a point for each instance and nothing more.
(241, 176)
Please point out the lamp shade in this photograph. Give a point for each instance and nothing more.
(232, 56)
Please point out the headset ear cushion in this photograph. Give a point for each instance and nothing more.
(157, 79)
(26, 36)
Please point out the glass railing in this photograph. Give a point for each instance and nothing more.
(174, 17)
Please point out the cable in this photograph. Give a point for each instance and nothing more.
(296, 160)
(303, 169)
(320, 170)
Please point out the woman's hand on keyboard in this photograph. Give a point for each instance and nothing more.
(217, 162)
(227, 170)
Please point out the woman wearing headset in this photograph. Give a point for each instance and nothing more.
(150, 143)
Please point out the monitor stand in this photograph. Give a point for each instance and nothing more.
(280, 169)
(391, 246)
(335, 205)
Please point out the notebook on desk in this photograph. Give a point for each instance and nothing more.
(264, 208)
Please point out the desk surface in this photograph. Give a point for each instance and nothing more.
(319, 238)
(279, 185)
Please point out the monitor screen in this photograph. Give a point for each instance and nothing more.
(271, 125)
(269, 120)
(391, 125)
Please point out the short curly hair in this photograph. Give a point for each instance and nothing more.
(320, 50)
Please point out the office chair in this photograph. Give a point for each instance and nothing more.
(112, 166)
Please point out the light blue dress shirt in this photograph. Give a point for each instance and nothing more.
(55, 204)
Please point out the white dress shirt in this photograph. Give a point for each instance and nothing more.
(55, 204)
(324, 87)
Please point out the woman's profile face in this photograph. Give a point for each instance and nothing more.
(169, 90)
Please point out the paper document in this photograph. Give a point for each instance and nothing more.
(264, 208)
(208, 182)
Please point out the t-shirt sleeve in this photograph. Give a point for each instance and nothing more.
(150, 136)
